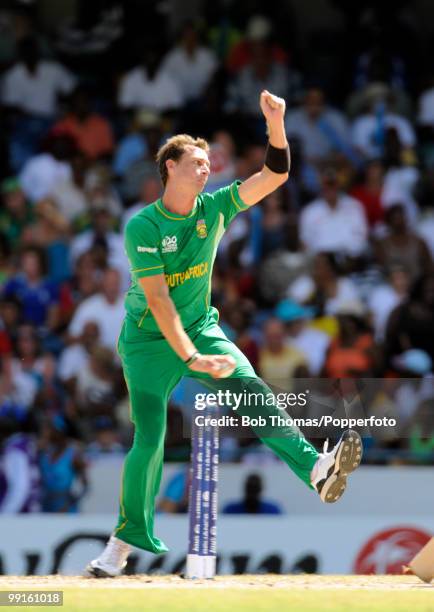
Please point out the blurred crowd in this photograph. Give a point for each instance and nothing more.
(329, 277)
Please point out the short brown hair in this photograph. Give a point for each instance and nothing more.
(174, 148)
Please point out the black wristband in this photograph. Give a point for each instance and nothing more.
(277, 160)
(192, 359)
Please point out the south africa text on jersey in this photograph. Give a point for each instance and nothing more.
(179, 278)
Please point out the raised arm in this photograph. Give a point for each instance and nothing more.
(167, 317)
(277, 160)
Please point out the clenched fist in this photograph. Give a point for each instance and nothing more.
(272, 106)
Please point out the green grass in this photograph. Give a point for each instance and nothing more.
(238, 593)
(255, 600)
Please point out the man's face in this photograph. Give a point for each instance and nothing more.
(314, 103)
(191, 170)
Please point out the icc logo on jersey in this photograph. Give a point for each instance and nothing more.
(169, 244)
(201, 229)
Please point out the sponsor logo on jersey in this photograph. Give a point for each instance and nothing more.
(142, 249)
(201, 229)
(169, 244)
(179, 278)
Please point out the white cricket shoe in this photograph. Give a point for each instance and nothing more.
(331, 470)
(111, 561)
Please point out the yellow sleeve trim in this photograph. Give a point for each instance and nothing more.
(152, 268)
(234, 200)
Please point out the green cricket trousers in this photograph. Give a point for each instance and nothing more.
(152, 370)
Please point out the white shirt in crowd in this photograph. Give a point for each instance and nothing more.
(339, 229)
(108, 316)
(36, 93)
(117, 257)
(41, 173)
(398, 188)
(346, 293)
(364, 128)
(136, 90)
(191, 72)
(426, 108)
(381, 302)
(72, 359)
(313, 343)
(316, 142)
(70, 199)
(303, 288)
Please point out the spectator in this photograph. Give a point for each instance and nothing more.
(50, 231)
(320, 129)
(42, 172)
(95, 389)
(425, 198)
(38, 296)
(86, 278)
(150, 192)
(252, 502)
(100, 192)
(33, 84)
(277, 361)
(106, 244)
(133, 145)
(142, 168)
(190, 65)
(369, 130)
(351, 353)
(148, 86)
(400, 179)
(425, 116)
(258, 30)
(19, 474)
(106, 307)
(261, 73)
(175, 495)
(17, 389)
(69, 193)
(369, 191)
(334, 222)
(61, 464)
(16, 212)
(28, 354)
(401, 247)
(51, 397)
(386, 298)
(326, 290)
(312, 342)
(270, 227)
(91, 131)
(75, 357)
(379, 78)
(411, 324)
(30, 90)
(10, 316)
(106, 439)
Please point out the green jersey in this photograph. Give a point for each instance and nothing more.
(183, 248)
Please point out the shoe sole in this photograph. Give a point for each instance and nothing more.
(348, 458)
(96, 572)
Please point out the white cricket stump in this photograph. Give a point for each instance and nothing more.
(200, 567)
(202, 540)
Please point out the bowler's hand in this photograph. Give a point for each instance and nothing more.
(272, 107)
(217, 366)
